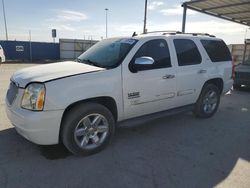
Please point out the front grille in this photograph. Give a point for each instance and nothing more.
(12, 92)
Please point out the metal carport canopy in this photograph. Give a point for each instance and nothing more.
(232, 10)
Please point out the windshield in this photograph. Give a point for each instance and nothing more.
(108, 53)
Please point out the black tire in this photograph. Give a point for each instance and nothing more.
(199, 110)
(71, 123)
(236, 86)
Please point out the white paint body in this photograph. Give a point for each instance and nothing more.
(156, 94)
(2, 56)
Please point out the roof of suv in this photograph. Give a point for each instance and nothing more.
(176, 34)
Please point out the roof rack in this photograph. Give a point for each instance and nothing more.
(178, 32)
(201, 34)
(164, 32)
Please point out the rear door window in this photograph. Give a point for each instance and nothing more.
(187, 52)
(217, 50)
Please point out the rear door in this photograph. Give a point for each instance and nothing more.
(190, 73)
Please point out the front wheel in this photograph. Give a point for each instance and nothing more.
(208, 102)
(87, 128)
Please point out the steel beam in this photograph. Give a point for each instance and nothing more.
(226, 6)
(218, 16)
(184, 18)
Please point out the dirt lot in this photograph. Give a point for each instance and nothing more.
(177, 151)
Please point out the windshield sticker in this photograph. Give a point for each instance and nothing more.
(128, 41)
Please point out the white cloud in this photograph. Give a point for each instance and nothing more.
(155, 4)
(67, 16)
(176, 10)
(72, 16)
(64, 20)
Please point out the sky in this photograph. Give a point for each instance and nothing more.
(85, 19)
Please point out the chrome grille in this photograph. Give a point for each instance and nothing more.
(12, 92)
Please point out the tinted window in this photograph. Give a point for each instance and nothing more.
(187, 52)
(158, 50)
(216, 50)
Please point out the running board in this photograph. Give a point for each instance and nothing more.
(157, 115)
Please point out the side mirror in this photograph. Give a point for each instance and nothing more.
(143, 63)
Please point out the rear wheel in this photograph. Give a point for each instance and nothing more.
(87, 129)
(208, 102)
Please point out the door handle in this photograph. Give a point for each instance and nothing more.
(168, 76)
(202, 71)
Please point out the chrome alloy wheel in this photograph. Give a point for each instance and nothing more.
(91, 131)
(210, 102)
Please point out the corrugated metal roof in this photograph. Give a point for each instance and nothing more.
(233, 10)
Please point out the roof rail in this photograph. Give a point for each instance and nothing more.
(201, 34)
(164, 32)
(178, 32)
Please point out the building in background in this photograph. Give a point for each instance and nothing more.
(66, 49)
(73, 48)
(239, 50)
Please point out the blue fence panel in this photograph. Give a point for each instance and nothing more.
(20, 50)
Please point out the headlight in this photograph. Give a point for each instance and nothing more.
(33, 97)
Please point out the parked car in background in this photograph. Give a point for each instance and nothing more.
(118, 80)
(2, 56)
(242, 74)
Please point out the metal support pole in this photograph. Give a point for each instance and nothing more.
(5, 22)
(184, 19)
(145, 17)
(30, 46)
(244, 53)
(106, 22)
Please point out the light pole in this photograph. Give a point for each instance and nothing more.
(106, 9)
(5, 23)
(30, 46)
(145, 17)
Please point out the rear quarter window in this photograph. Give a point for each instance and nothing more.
(217, 50)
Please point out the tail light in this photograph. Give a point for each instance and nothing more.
(233, 68)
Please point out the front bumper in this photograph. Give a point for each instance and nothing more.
(38, 127)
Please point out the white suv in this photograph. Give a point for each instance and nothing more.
(2, 56)
(118, 80)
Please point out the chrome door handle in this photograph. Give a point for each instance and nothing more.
(202, 71)
(168, 77)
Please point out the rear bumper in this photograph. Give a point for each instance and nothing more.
(38, 127)
(242, 82)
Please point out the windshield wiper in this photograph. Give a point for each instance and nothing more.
(89, 62)
(78, 60)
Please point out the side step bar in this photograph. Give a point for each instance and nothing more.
(157, 115)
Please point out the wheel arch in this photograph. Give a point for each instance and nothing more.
(106, 101)
(218, 82)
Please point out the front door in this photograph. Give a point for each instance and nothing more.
(152, 88)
